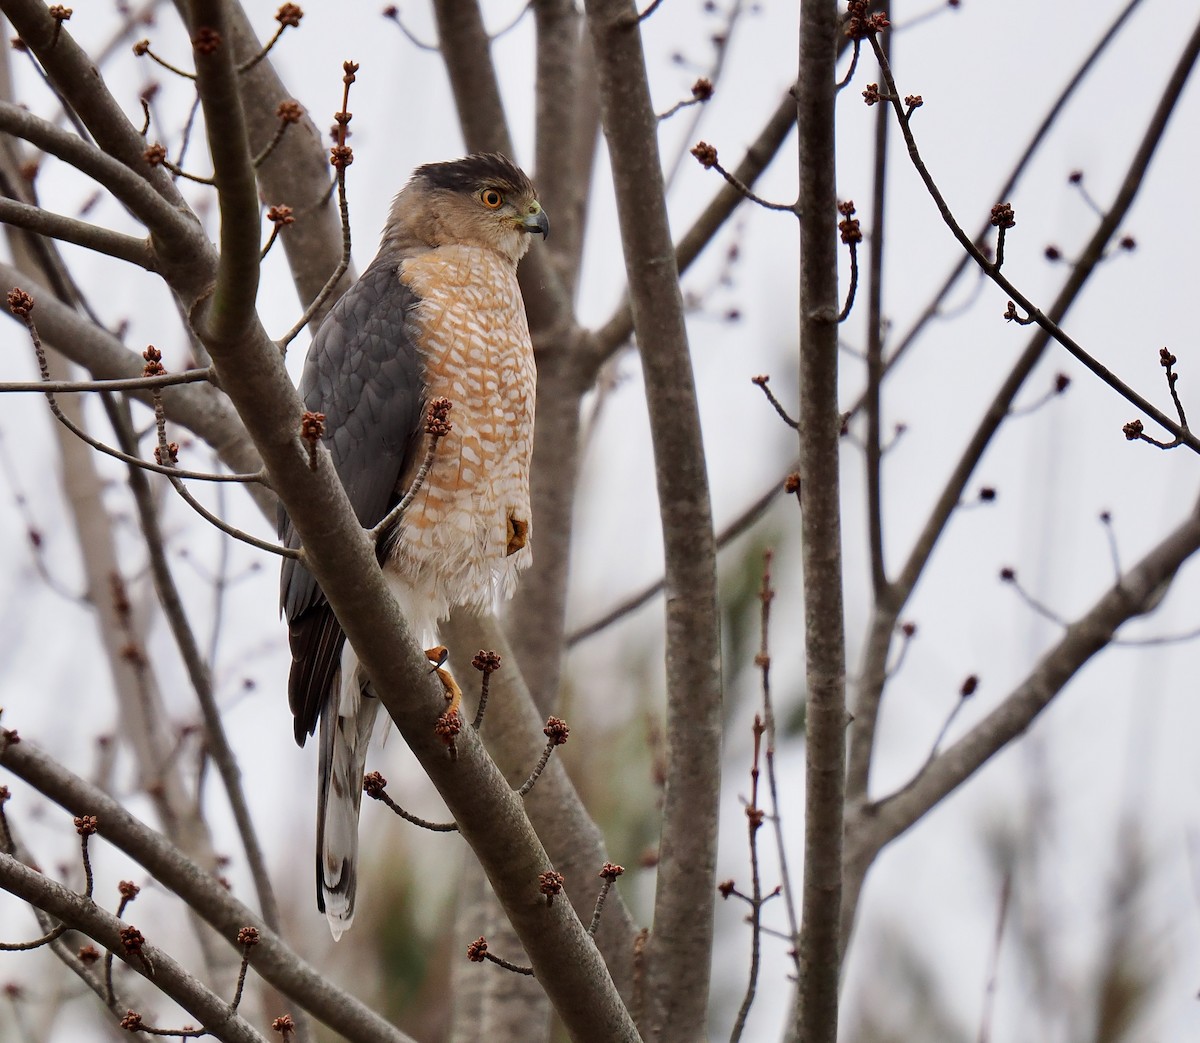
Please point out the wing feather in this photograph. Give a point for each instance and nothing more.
(364, 371)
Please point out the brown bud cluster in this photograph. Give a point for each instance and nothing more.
(289, 15)
(153, 366)
(312, 426)
(132, 940)
(132, 1022)
(60, 13)
(486, 662)
(290, 111)
(969, 687)
(248, 937)
(283, 1024)
(611, 871)
(913, 101)
(556, 730)
(437, 418)
(448, 726)
(1133, 430)
(19, 302)
(848, 226)
(1003, 216)
(550, 884)
(705, 154)
(374, 784)
(871, 95)
(141, 48)
(477, 950)
(726, 888)
(86, 825)
(861, 24)
(155, 154)
(88, 954)
(206, 40)
(128, 890)
(168, 455)
(341, 156)
(1166, 359)
(702, 89)
(281, 215)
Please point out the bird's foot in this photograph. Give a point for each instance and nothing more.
(438, 656)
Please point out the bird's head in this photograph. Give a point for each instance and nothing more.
(482, 199)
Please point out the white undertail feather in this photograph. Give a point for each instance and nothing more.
(346, 726)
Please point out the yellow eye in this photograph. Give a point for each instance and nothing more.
(490, 198)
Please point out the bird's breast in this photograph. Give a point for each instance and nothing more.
(466, 534)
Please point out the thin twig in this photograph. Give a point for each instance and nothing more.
(754, 819)
(47, 385)
(341, 156)
(225, 527)
(375, 787)
(744, 521)
(1183, 67)
(199, 673)
(989, 992)
(767, 595)
(62, 387)
(477, 952)
(143, 48)
(845, 80)
(706, 155)
(608, 874)
(761, 382)
(392, 13)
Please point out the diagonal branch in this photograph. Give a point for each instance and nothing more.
(85, 915)
(273, 960)
(1136, 593)
(1166, 106)
(69, 230)
(892, 600)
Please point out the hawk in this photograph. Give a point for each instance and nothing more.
(438, 314)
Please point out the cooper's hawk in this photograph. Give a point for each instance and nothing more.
(437, 314)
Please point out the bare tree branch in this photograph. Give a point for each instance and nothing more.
(891, 602)
(70, 230)
(816, 1015)
(1136, 593)
(273, 960)
(682, 936)
(155, 964)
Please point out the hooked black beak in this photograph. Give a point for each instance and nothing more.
(536, 222)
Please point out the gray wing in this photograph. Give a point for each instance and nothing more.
(365, 373)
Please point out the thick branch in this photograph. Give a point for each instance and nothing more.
(156, 965)
(675, 1002)
(825, 648)
(1137, 592)
(572, 839)
(69, 230)
(126, 185)
(203, 893)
